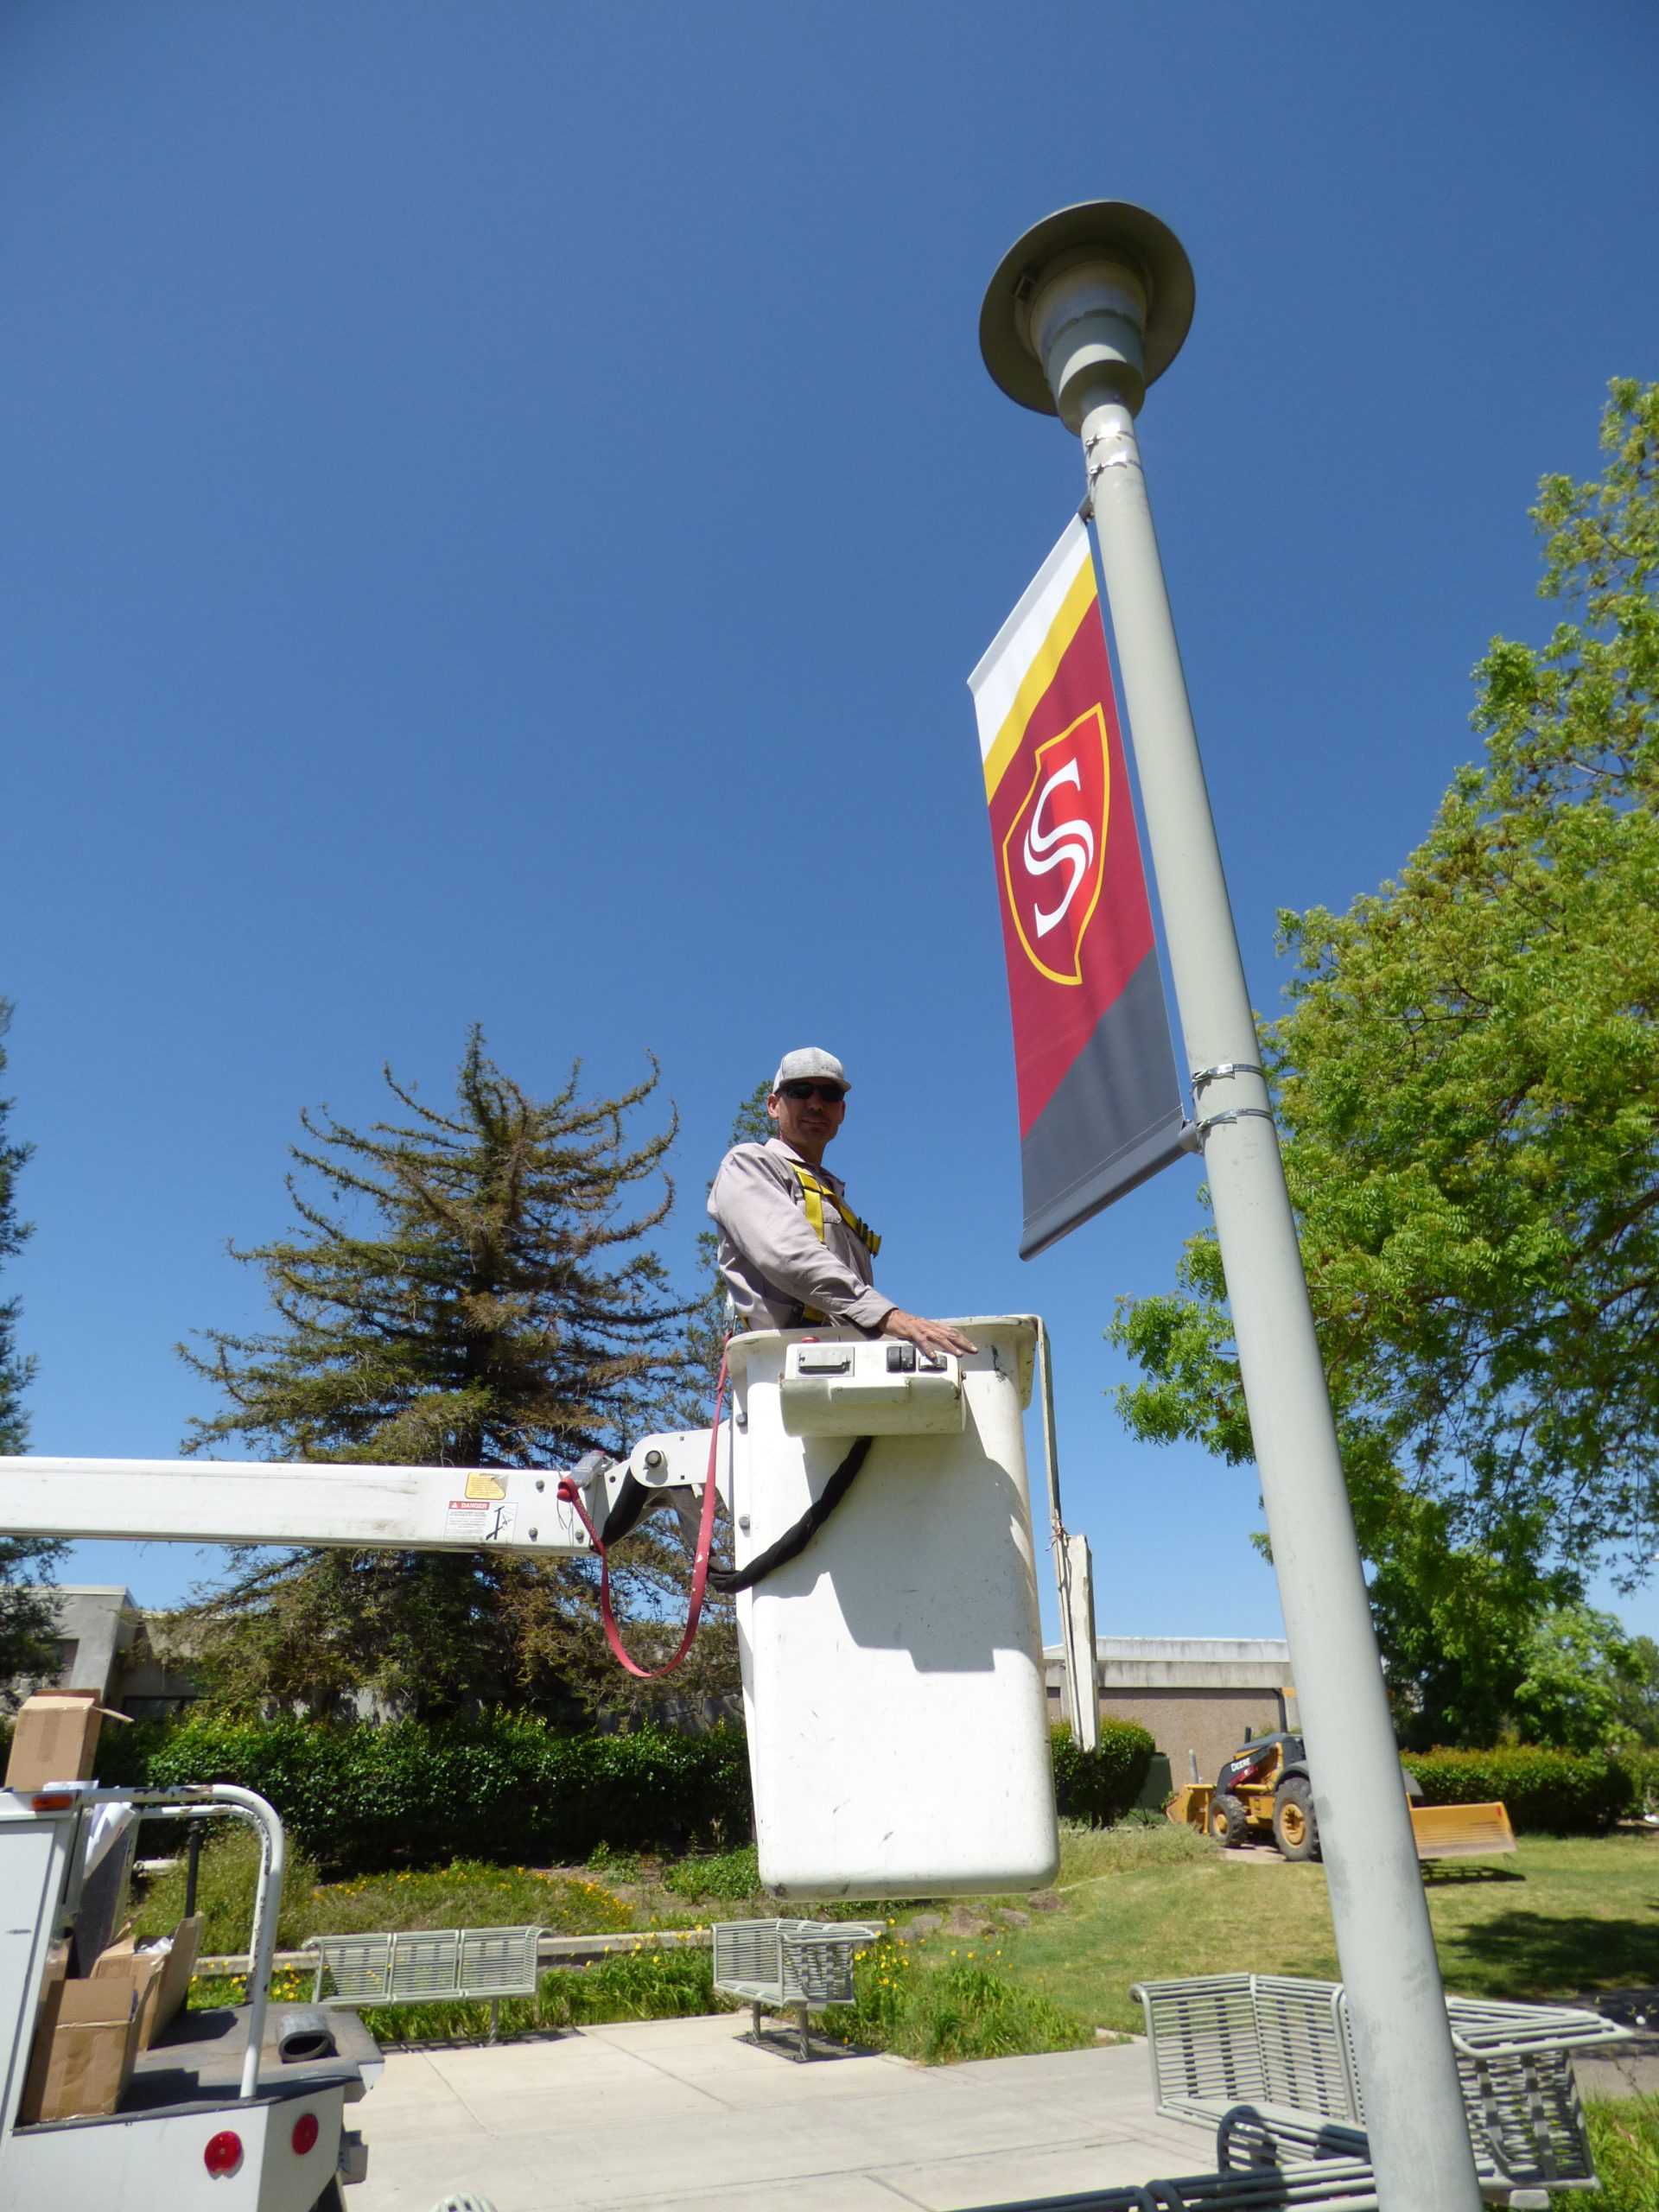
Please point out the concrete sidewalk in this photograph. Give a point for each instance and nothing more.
(681, 2114)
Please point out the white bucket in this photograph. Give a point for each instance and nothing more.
(893, 1673)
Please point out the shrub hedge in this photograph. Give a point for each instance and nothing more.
(1567, 1793)
(1100, 1786)
(360, 1797)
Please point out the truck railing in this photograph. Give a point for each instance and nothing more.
(200, 1801)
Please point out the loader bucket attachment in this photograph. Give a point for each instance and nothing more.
(1190, 1807)
(1462, 1831)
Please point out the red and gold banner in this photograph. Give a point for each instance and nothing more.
(1099, 1102)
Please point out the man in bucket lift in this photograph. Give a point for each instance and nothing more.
(792, 1250)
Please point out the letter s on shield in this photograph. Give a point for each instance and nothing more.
(1055, 848)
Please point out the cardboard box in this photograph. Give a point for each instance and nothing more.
(40, 2050)
(140, 1973)
(176, 1971)
(84, 2051)
(159, 1979)
(55, 1738)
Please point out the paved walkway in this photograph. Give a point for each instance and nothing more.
(681, 2114)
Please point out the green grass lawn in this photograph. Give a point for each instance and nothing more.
(466, 1894)
(1563, 1915)
(1625, 2141)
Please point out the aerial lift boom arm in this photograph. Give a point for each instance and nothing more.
(343, 1505)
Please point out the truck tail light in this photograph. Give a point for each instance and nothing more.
(223, 2153)
(306, 2132)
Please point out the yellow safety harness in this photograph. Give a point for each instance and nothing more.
(813, 1194)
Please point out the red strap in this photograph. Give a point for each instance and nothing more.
(568, 1492)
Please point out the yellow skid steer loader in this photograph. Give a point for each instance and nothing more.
(1264, 1790)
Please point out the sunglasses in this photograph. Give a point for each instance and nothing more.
(830, 1093)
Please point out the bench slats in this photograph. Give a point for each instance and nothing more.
(425, 1964)
(1348, 2183)
(1206, 2049)
(428, 1966)
(1304, 2050)
(789, 1962)
(360, 1965)
(1270, 2059)
(1525, 2119)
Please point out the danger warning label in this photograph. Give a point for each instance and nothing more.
(478, 1521)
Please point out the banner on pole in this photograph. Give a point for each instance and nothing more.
(1100, 1103)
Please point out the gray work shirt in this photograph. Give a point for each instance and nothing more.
(772, 1260)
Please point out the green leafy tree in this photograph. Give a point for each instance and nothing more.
(1468, 1083)
(1638, 1693)
(1577, 1665)
(28, 1610)
(475, 1288)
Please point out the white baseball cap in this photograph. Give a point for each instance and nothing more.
(809, 1063)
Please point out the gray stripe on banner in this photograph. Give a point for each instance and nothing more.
(1115, 1120)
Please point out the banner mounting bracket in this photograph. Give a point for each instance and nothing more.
(1201, 1076)
(1201, 1130)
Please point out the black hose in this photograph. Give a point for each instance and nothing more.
(728, 1580)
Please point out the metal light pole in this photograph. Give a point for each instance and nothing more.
(1086, 310)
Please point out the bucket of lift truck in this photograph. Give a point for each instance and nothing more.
(893, 1670)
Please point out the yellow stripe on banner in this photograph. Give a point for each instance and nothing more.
(1038, 678)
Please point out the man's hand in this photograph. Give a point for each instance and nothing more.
(931, 1336)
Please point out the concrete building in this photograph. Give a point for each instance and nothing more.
(1193, 1695)
(104, 1644)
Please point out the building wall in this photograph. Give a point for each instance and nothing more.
(1209, 1723)
(102, 1646)
(98, 1626)
(1197, 1694)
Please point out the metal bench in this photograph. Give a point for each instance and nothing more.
(1347, 2183)
(430, 1967)
(1268, 2061)
(797, 1966)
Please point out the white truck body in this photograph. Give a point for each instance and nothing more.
(208, 2076)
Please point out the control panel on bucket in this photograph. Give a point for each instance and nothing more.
(843, 1387)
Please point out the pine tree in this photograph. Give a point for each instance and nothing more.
(470, 1288)
(28, 1614)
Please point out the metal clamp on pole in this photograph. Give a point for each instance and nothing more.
(1193, 1133)
(1222, 1069)
(1202, 1128)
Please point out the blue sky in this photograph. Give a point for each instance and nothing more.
(500, 502)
